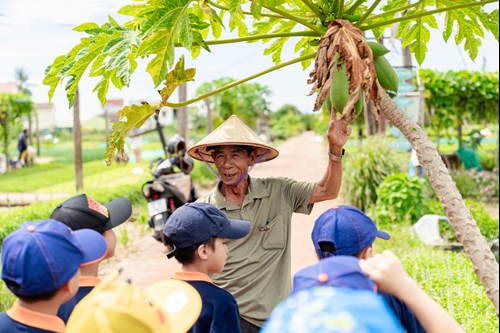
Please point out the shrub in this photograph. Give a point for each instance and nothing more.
(489, 159)
(201, 174)
(400, 199)
(482, 185)
(486, 224)
(365, 169)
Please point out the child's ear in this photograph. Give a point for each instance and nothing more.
(201, 251)
(366, 253)
(71, 287)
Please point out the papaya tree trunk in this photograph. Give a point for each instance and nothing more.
(469, 235)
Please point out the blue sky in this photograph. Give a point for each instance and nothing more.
(34, 32)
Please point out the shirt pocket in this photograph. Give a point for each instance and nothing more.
(274, 234)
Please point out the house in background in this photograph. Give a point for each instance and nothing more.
(8, 87)
(46, 117)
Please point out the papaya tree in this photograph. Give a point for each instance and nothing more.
(328, 35)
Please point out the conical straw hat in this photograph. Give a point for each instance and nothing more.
(232, 132)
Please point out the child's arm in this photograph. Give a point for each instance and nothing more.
(386, 270)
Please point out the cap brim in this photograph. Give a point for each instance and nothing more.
(383, 235)
(235, 229)
(93, 245)
(119, 211)
(179, 300)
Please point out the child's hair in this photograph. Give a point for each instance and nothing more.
(187, 255)
(30, 298)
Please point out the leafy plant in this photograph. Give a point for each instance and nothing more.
(400, 199)
(489, 159)
(487, 224)
(480, 185)
(455, 97)
(286, 122)
(365, 168)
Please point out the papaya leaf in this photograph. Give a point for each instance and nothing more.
(468, 22)
(277, 45)
(209, 12)
(175, 78)
(236, 17)
(129, 117)
(51, 79)
(418, 36)
(90, 26)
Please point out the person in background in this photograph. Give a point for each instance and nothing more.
(258, 269)
(83, 212)
(197, 233)
(22, 146)
(41, 266)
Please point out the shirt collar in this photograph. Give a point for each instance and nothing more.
(191, 276)
(36, 319)
(89, 281)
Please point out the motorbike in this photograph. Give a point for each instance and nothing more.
(171, 185)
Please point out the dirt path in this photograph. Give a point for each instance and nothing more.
(143, 259)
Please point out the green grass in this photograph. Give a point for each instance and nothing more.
(60, 177)
(448, 277)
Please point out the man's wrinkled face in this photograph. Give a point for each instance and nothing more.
(232, 162)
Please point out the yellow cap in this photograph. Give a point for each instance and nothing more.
(121, 307)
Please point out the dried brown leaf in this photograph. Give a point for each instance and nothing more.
(344, 38)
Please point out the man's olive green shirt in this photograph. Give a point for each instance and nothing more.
(258, 269)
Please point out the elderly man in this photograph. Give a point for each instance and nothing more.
(258, 269)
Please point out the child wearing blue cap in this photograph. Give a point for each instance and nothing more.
(41, 266)
(196, 234)
(84, 212)
(347, 231)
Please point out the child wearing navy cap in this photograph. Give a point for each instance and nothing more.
(83, 212)
(41, 266)
(196, 234)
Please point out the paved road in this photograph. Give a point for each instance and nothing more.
(301, 158)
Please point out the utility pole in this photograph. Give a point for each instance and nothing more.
(77, 137)
(182, 113)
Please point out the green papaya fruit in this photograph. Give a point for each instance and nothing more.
(339, 90)
(387, 76)
(360, 103)
(328, 104)
(378, 49)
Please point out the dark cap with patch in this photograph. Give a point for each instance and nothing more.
(83, 212)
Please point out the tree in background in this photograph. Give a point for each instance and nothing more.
(13, 107)
(453, 98)
(249, 101)
(286, 122)
(346, 68)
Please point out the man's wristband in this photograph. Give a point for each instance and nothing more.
(336, 158)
